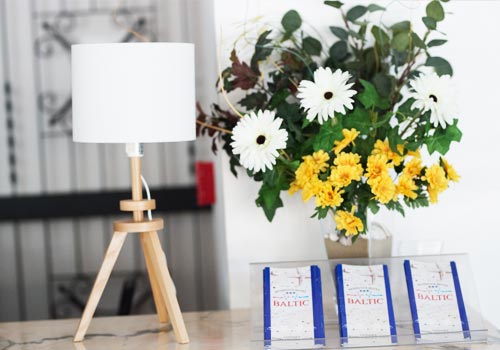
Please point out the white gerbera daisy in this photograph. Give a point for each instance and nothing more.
(434, 93)
(328, 93)
(257, 139)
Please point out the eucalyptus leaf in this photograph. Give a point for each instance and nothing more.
(430, 23)
(435, 10)
(339, 32)
(338, 51)
(356, 12)
(336, 4)
(381, 37)
(291, 21)
(401, 41)
(312, 46)
(417, 41)
(375, 7)
(399, 27)
(383, 84)
(441, 66)
(437, 42)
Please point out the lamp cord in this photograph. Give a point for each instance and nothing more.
(148, 195)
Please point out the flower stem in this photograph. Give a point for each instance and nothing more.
(415, 117)
(210, 126)
(284, 154)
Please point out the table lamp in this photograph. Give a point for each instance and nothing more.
(135, 93)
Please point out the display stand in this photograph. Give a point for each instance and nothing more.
(404, 322)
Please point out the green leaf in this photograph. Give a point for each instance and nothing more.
(326, 136)
(269, 200)
(401, 41)
(261, 51)
(370, 97)
(441, 66)
(374, 207)
(278, 98)
(419, 202)
(417, 41)
(255, 100)
(291, 21)
(375, 7)
(399, 27)
(442, 138)
(339, 32)
(355, 12)
(394, 205)
(435, 10)
(312, 46)
(436, 42)
(394, 139)
(429, 22)
(338, 51)
(275, 178)
(336, 4)
(357, 119)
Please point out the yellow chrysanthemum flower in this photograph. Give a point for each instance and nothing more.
(304, 173)
(376, 166)
(343, 175)
(406, 186)
(450, 171)
(383, 188)
(436, 181)
(347, 169)
(293, 188)
(320, 159)
(311, 189)
(413, 168)
(329, 196)
(349, 137)
(349, 222)
(308, 171)
(383, 148)
(414, 154)
(347, 159)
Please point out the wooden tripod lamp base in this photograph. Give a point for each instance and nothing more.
(167, 306)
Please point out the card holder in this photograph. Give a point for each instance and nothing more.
(293, 296)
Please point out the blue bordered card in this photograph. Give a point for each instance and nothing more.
(365, 309)
(293, 305)
(436, 300)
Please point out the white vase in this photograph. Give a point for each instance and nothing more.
(376, 243)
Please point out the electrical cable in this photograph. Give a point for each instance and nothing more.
(148, 195)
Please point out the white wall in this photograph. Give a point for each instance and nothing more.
(465, 218)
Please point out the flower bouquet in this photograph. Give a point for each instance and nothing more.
(343, 123)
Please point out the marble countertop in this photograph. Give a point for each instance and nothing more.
(207, 330)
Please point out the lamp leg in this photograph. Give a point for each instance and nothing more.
(152, 244)
(154, 280)
(102, 278)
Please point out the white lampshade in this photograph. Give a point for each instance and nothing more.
(133, 92)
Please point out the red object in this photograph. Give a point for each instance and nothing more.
(205, 183)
